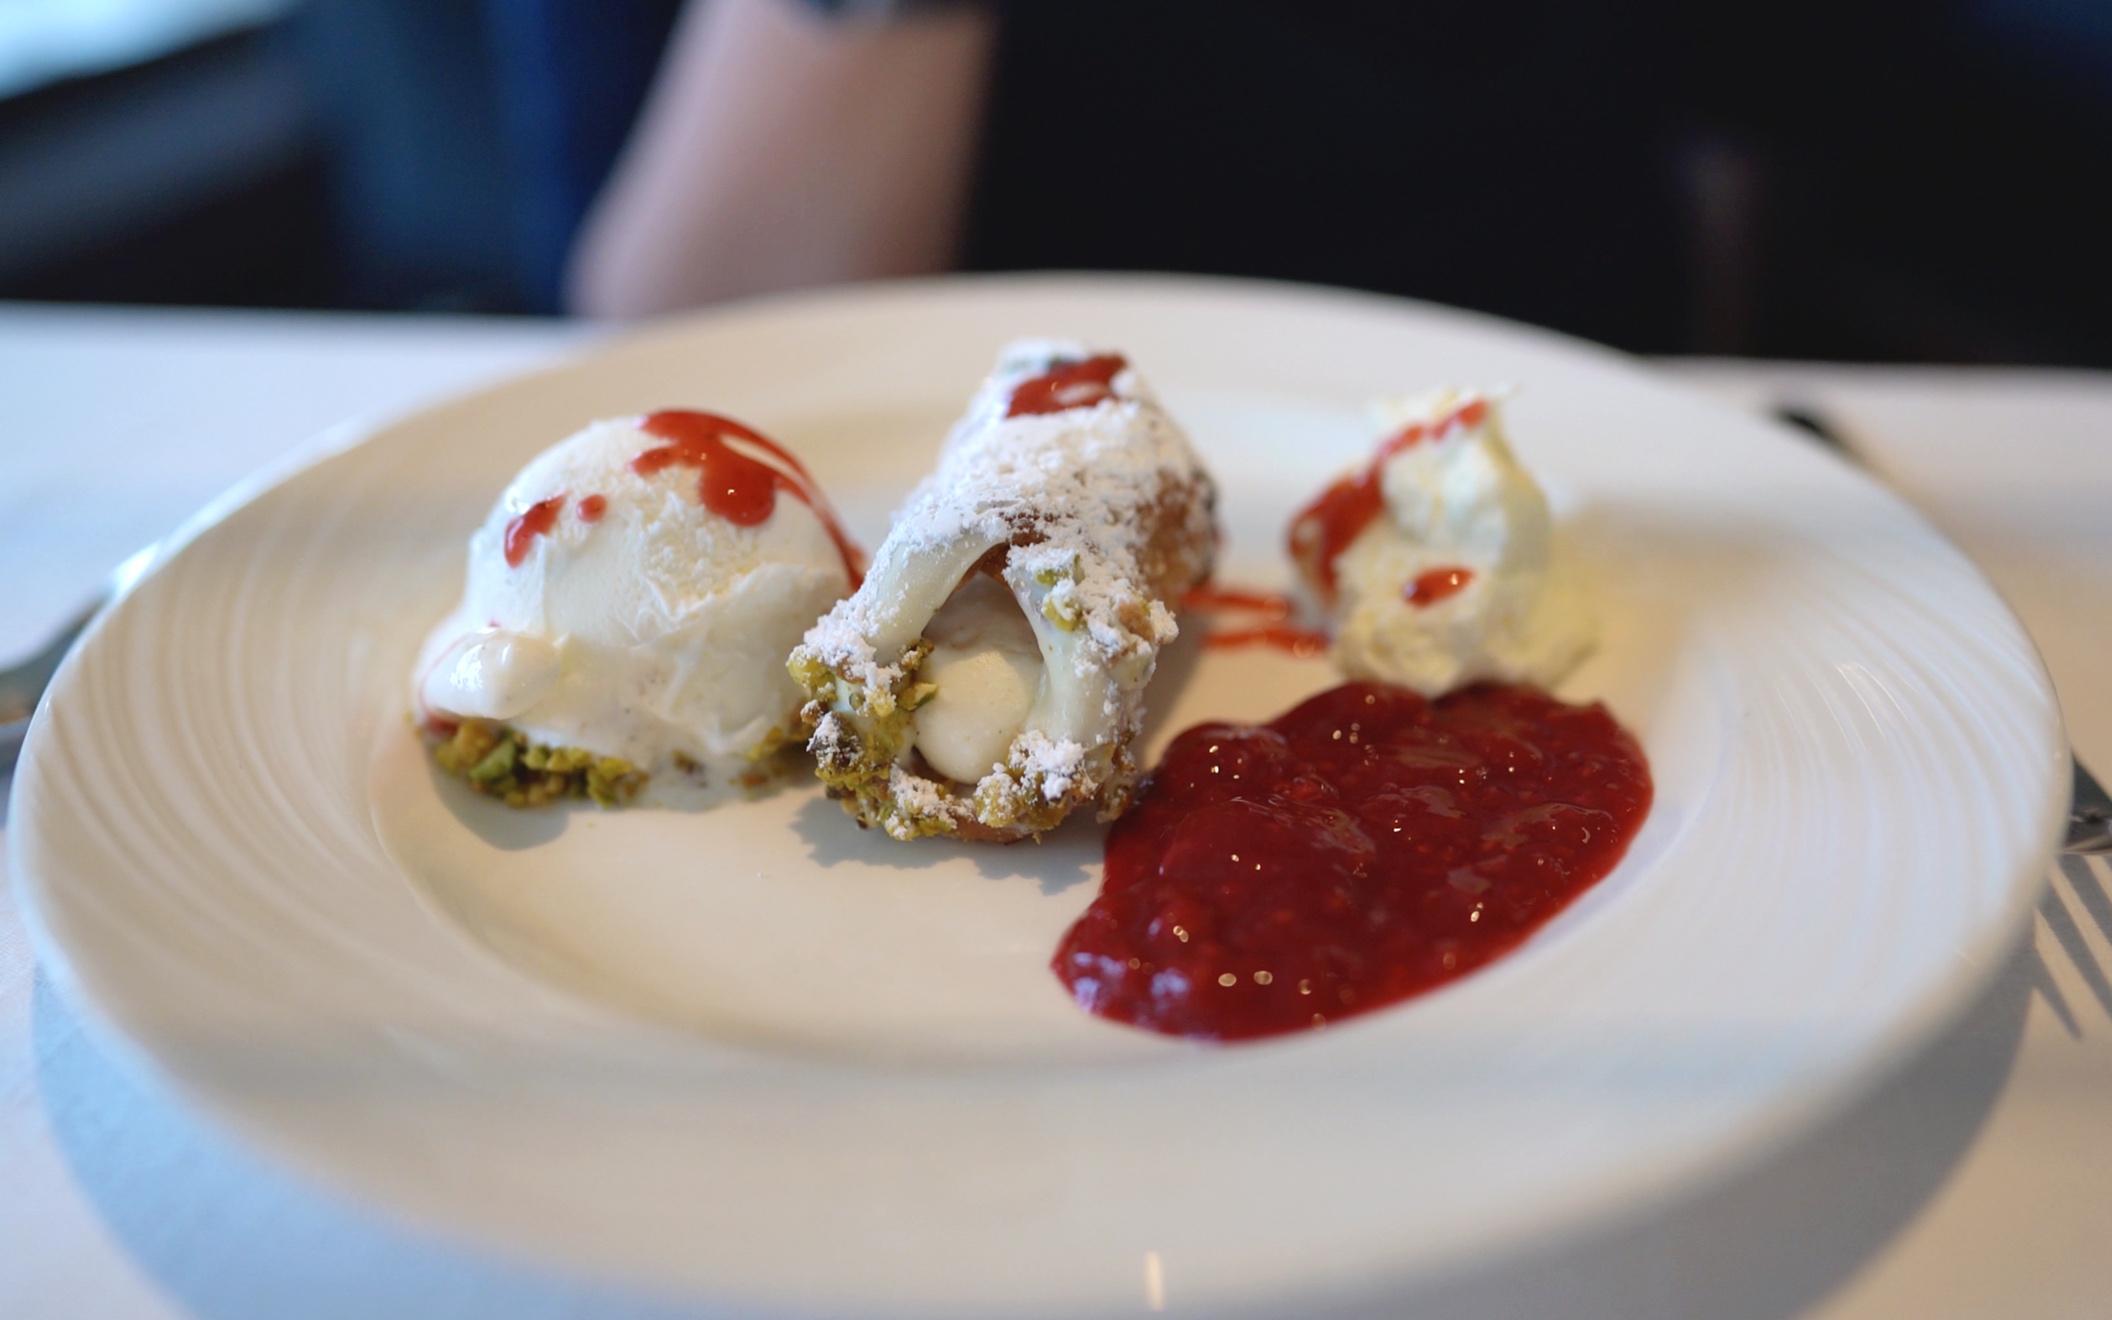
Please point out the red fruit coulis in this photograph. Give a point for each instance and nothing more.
(1273, 629)
(1435, 585)
(737, 486)
(1303, 643)
(1067, 385)
(1334, 520)
(1363, 848)
(1268, 604)
(536, 520)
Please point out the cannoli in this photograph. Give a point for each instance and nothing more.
(988, 678)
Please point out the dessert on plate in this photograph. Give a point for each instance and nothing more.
(630, 602)
(987, 679)
(1435, 562)
(1381, 838)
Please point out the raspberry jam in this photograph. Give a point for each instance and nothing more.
(1363, 848)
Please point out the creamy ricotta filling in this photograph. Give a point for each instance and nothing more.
(988, 670)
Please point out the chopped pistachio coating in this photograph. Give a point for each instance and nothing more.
(1095, 518)
(859, 733)
(500, 762)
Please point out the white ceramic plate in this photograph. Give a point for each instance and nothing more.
(752, 1053)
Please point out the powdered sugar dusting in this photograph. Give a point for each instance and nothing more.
(1093, 516)
(831, 740)
(1055, 765)
(1072, 482)
(918, 795)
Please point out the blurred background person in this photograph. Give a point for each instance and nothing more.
(1876, 180)
(783, 146)
(1499, 155)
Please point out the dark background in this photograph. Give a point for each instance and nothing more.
(1862, 181)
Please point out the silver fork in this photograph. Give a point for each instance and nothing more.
(2089, 808)
(21, 685)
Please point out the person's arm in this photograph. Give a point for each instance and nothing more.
(782, 148)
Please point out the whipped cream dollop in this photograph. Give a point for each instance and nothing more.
(1437, 562)
(608, 608)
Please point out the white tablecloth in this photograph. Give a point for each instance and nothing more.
(1976, 1183)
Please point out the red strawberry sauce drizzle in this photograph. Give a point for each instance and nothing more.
(735, 485)
(1322, 530)
(536, 520)
(1274, 630)
(1067, 385)
(1437, 584)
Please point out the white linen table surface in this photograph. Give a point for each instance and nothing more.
(1977, 1182)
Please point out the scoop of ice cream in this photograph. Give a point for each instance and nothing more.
(1436, 562)
(635, 592)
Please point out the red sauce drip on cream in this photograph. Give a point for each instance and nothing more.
(1436, 585)
(1068, 385)
(522, 531)
(737, 486)
(1363, 848)
(592, 507)
(1334, 520)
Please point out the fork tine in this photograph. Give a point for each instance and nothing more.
(2089, 816)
